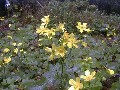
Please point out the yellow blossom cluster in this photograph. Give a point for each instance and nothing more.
(8, 36)
(2, 18)
(69, 40)
(88, 76)
(56, 51)
(84, 44)
(43, 30)
(77, 85)
(45, 20)
(82, 27)
(47, 32)
(15, 44)
(17, 49)
(66, 39)
(6, 60)
(60, 27)
(111, 72)
(6, 50)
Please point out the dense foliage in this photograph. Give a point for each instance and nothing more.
(61, 46)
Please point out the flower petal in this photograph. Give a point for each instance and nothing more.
(82, 76)
(87, 72)
(71, 88)
(93, 73)
(48, 49)
(78, 79)
(72, 82)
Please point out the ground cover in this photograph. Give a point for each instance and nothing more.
(64, 46)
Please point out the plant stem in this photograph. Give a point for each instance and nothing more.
(89, 84)
(62, 72)
(69, 54)
(4, 71)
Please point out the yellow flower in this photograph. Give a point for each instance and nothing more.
(65, 38)
(69, 40)
(88, 30)
(21, 50)
(56, 51)
(39, 45)
(10, 25)
(16, 50)
(49, 33)
(48, 49)
(40, 40)
(19, 44)
(40, 30)
(45, 31)
(60, 51)
(61, 27)
(82, 27)
(6, 50)
(88, 76)
(52, 51)
(45, 20)
(111, 71)
(84, 44)
(7, 60)
(2, 18)
(14, 44)
(76, 85)
(9, 37)
(19, 29)
(88, 58)
(72, 41)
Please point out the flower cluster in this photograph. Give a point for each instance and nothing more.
(66, 39)
(83, 27)
(76, 85)
(7, 60)
(43, 30)
(56, 51)
(69, 40)
(88, 76)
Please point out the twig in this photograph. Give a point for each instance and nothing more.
(107, 84)
(39, 3)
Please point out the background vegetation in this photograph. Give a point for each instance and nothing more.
(25, 62)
